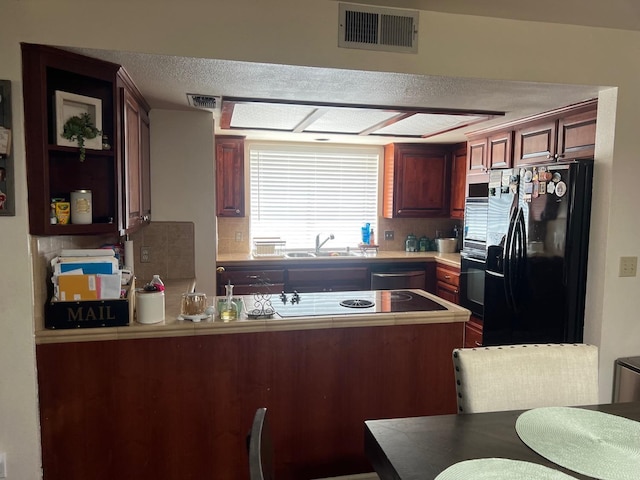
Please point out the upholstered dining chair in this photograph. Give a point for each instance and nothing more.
(261, 452)
(519, 377)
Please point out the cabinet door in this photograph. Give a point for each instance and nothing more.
(230, 176)
(577, 135)
(458, 181)
(421, 182)
(500, 151)
(132, 171)
(145, 166)
(477, 160)
(536, 143)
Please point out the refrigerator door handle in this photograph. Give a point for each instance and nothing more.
(513, 260)
(507, 258)
(519, 257)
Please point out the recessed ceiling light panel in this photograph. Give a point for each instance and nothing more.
(269, 116)
(349, 120)
(424, 124)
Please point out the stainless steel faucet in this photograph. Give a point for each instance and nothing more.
(319, 245)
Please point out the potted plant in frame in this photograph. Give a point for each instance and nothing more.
(80, 128)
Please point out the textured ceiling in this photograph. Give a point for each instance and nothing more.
(165, 81)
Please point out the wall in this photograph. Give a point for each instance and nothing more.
(182, 182)
(304, 32)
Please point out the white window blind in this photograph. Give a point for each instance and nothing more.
(298, 192)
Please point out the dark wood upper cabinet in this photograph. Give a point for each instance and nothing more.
(230, 176)
(416, 181)
(137, 177)
(577, 135)
(477, 160)
(500, 150)
(458, 181)
(536, 143)
(53, 170)
(565, 133)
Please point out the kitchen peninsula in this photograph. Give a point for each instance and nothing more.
(181, 395)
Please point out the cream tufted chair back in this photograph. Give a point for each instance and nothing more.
(519, 377)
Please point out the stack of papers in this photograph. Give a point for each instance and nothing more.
(86, 274)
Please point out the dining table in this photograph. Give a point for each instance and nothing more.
(420, 448)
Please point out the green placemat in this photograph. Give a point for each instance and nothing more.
(589, 442)
(500, 469)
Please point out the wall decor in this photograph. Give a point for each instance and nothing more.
(73, 105)
(7, 195)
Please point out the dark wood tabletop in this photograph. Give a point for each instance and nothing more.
(419, 448)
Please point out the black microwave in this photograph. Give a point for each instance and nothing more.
(474, 235)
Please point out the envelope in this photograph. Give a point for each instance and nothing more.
(77, 287)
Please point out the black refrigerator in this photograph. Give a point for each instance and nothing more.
(537, 246)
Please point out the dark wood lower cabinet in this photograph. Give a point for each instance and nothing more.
(169, 408)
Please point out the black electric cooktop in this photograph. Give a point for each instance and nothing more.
(350, 303)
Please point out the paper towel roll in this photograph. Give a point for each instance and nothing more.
(128, 255)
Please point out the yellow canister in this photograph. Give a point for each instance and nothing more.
(63, 212)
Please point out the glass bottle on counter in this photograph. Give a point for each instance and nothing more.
(229, 310)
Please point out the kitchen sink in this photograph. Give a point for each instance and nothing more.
(339, 254)
(323, 253)
(299, 255)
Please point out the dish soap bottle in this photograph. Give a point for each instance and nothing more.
(229, 310)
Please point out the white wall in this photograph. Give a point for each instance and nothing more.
(304, 32)
(182, 181)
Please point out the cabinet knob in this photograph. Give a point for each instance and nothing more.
(220, 269)
(238, 211)
(448, 277)
(455, 291)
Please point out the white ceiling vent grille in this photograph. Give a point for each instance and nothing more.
(208, 102)
(374, 28)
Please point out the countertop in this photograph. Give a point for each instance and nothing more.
(451, 259)
(172, 327)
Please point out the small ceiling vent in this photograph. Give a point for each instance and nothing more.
(208, 102)
(375, 28)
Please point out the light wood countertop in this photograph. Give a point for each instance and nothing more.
(451, 259)
(171, 326)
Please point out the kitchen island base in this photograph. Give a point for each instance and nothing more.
(181, 407)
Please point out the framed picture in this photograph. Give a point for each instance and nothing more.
(72, 104)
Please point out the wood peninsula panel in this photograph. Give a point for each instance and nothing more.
(169, 408)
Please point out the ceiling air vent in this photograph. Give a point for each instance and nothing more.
(375, 28)
(208, 102)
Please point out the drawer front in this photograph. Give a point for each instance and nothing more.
(252, 277)
(472, 335)
(448, 276)
(448, 292)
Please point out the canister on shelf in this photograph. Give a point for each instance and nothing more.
(81, 207)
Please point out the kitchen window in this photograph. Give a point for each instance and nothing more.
(299, 191)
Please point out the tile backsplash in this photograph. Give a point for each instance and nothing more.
(234, 235)
(171, 247)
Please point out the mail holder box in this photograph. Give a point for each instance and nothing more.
(89, 313)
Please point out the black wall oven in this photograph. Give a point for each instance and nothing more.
(473, 256)
(472, 284)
